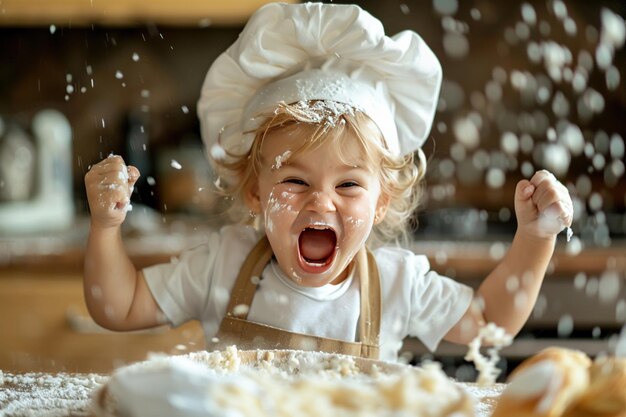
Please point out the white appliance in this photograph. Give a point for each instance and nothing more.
(51, 206)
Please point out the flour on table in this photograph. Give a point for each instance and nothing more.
(45, 395)
(281, 384)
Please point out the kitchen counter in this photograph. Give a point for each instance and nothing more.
(148, 239)
(159, 239)
(44, 322)
(45, 326)
(474, 260)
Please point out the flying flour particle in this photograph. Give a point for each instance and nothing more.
(486, 367)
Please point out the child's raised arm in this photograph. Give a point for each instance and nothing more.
(507, 296)
(115, 292)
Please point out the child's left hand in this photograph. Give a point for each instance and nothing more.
(543, 206)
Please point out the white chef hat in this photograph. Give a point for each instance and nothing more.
(289, 53)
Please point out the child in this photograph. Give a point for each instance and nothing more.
(313, 119)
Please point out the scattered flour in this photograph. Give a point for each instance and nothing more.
(123, 174)
(46, 395)
(326, 113)
(259, 383)
(217, 152)
(486, 367)
(241, 310)
(281, 383)
(218, 184)
(486, 397)
(280, 159)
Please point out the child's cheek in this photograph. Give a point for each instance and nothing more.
(361, 217)
(355, 223)
(278, 209)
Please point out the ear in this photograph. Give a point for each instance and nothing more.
(381, 208)
(252, 199)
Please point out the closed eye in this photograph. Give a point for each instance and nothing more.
(294, 181)
(348, 184)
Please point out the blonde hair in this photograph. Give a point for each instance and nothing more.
(400, 177)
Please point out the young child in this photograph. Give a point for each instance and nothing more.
(314, 120)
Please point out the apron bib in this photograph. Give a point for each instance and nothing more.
(236, 329)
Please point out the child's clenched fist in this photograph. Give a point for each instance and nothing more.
(543, 205)
(109, 185)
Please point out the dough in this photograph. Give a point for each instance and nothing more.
(545, 385)
(606, 395)
(281, 384)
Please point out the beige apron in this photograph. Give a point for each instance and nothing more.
(236, 329)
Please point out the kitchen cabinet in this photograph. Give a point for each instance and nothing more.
(44, 326)
(127, 12)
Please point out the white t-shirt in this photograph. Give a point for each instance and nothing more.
(415, 300)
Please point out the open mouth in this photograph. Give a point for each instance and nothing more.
(317, 247)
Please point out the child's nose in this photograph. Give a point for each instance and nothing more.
(320, 202)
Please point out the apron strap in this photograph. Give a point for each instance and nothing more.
(244, 288)
(369, 281)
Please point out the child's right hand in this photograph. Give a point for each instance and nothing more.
(109, 185)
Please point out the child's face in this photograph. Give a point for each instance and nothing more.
(318, 209)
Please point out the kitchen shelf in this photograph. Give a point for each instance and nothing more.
(127, 12)
(519, 350)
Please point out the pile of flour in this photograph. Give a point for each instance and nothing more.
(246, 383)
(280, 383)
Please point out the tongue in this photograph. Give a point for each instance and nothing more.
(317, 245)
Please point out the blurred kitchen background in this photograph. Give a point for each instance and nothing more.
(527, 85)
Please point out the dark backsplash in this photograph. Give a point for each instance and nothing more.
(132, 91)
